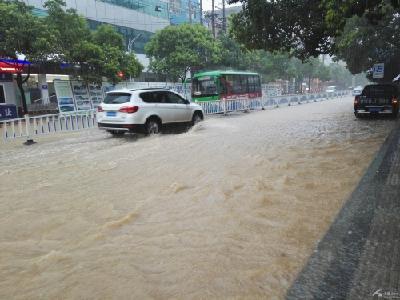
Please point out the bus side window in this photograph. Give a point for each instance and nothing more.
(237, 84)
(229, 82)
(223, 85)
(244, 83)
(257, 84)
(251, 83)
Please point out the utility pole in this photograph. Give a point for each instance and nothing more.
(213, 18)
(223, 17)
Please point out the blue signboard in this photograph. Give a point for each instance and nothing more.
(378, 70)
(8, 111)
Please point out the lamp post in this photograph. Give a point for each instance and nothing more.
(131, 42)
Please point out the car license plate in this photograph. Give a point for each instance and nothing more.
(111, 114)
(375, 109)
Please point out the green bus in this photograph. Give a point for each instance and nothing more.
(225, 85)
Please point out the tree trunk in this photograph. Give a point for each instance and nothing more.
(20, 83)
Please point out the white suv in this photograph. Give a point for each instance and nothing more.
(145, 111)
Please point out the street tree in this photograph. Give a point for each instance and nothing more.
(23, 33)
(272, 66)
(233, 55)
(362, 44)
(62, 37)
(115, 59)
(175, 50)
(285, 25)
(96, 54)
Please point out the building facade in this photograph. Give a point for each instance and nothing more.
(136, 20)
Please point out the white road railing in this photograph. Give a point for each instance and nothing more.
(29, 127)
(226, 106)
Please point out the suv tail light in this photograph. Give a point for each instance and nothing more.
(394, 101)
(99, 109)
(129, 109)
(356, 100)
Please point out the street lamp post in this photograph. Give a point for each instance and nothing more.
(131, 44)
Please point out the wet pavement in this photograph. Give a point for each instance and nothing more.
(231, 209)
(359, 257)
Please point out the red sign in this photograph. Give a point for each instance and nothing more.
(11, 68)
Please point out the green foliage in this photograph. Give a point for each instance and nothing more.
(272, 66)
(21, 32)
(107, 36)
(362, 44)
(114, 58)
(176, 49)
(291, 26)
(97, 54)
(69, 28)
(233, 55)
(360, 32)
(64, 36)
(338, 11)
(340, 75)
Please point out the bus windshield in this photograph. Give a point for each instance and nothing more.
(204, 86)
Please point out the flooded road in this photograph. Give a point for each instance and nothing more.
(232, 208)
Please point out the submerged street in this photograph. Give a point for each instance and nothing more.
(232, 208)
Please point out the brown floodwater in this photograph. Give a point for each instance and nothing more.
(231, 209)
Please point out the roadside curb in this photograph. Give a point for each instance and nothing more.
(333, 270)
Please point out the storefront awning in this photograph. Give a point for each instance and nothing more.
(11, 66)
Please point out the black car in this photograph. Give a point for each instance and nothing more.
(377, 99)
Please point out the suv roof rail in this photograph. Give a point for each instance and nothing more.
(149, 89)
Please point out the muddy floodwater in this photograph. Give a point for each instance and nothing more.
(232, 208)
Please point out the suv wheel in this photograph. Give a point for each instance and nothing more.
(152, 126)
(196, 118)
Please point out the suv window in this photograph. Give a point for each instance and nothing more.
(380, 91)
(174, 98)
(148, 97)
(117, 98)
(154, 97)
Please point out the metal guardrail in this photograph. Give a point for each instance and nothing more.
(226, 106)
(28, 127)
(31, 126)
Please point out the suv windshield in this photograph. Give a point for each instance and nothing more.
(380, 90)
(117, 98)
(204, 86)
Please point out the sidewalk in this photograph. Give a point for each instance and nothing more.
(359, 257)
